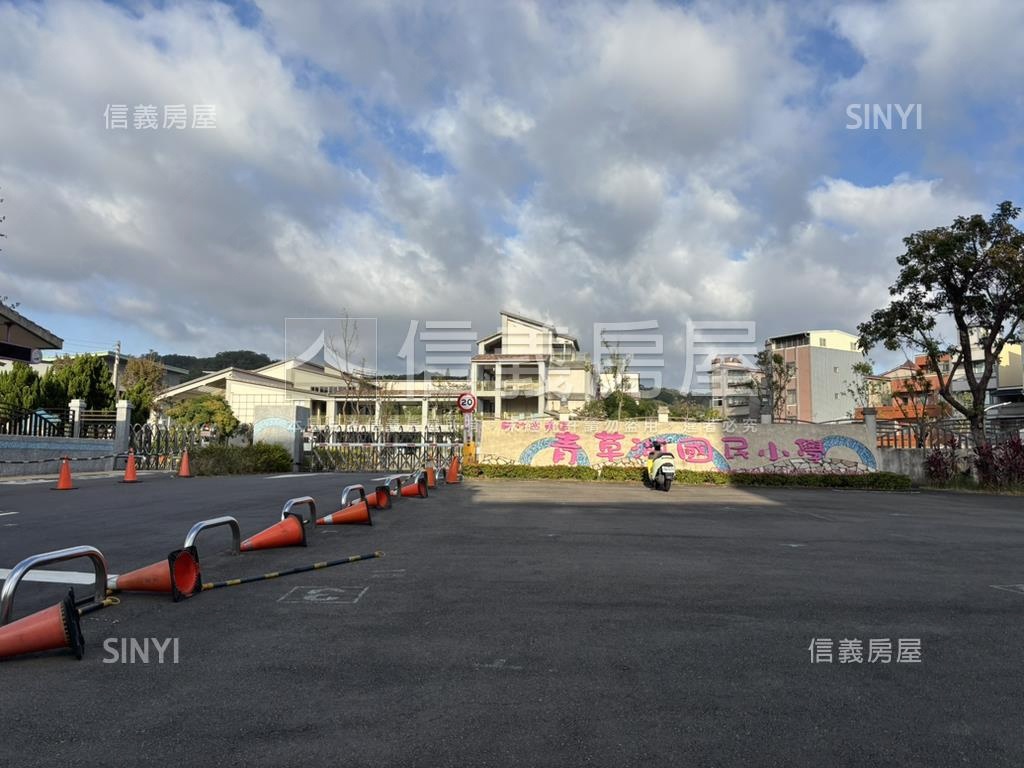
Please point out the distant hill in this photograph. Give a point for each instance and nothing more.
(245, 359)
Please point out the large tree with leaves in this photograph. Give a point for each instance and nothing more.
(957, 281)
(143, 379)
(85, 377)
(19, 387)
(206, 411)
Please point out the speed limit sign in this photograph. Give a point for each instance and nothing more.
(467, 402)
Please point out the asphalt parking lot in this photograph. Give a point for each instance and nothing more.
(533, 624)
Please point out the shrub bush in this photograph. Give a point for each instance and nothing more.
(260, 458)
(523, 472)
(1007, 462)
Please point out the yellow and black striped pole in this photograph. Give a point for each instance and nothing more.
(302, 569)
(96, 606)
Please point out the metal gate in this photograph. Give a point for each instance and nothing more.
(380, 457)
(158, 446)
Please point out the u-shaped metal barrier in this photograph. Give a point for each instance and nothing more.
(393, 482)
(214, 522)
(99, 564)
(348, 489)
(301, 500)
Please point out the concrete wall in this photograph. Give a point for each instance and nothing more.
(911, 462)
(14, 448)
(775, 448)
(281, 425)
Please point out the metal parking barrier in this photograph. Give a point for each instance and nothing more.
(300, 501)
(214, 522)
(392, 480)
(348, 489)
(99, 564)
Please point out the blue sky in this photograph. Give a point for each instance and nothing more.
(580, 162)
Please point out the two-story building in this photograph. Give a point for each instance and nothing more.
(528, 368)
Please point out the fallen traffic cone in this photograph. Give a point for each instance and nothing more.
(452, 478)
(419, 488)
(184, 470)
(290, 532)
(130, 475)
(431, 478)
(58, 626)
(177, 576)
(355, 513)
(380, 498)
(64, 480)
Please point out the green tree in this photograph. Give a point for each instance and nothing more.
(692, 411)
(83, 376)
(142, 381)
(865, 389)
(619, 405)
(968, 276)
(770, 382)
(592, 409)
(19, 387)
(211, 411)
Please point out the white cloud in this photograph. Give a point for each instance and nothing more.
(582, 162)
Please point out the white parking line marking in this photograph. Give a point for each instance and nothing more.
(1009, 587)
(5, 514)
(55, 577)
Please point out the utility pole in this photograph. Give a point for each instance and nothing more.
(117, 365)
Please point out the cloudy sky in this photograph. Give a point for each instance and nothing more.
(579, 162)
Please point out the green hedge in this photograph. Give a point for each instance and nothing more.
(260, 458)
(881, 481)
(521, 471)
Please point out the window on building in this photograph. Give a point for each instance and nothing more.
(822, 341)
(791, 397)
(791, 368)
(835, 369)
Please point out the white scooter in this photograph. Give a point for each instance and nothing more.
(660, 469)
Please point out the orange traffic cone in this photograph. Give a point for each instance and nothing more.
(58, 626)
(452, 478)
(358, 512)
(288, 533)
(64, 480)
(380, 498)
(431, 478)
(184, 470)
(177, 576)
(418, 488)
(130, 475)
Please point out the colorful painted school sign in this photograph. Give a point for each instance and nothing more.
(723, 447)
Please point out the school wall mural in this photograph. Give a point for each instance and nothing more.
(716, 446)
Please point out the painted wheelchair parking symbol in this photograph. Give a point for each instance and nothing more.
(323, 595)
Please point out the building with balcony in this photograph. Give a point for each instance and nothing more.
(821, 373)
(529, 368)
(733, 392)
